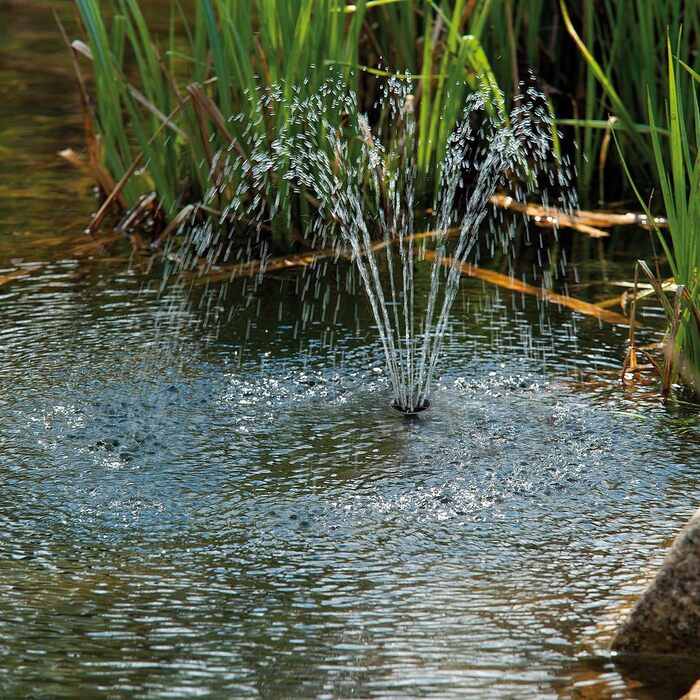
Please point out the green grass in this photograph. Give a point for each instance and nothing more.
(627, 44)
(212, 64)
(677, 163)
(597, 60)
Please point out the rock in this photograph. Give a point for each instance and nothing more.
(693, 693)
(666, 619)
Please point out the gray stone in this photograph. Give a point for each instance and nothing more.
(666, 619)
(693, 693)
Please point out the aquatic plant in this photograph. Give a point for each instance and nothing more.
(162, 105)
(677, 161)
(585, 52)
(588, 52)
(165, 114)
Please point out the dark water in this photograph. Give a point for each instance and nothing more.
(240, 514)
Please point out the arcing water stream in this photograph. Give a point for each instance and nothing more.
(363, 186)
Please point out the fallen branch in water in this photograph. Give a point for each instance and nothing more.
(287, 262)
(548, 295)
(588, 222)
(85, 249)
(17, 274)
(254, 267)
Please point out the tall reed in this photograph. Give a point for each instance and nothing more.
(677, 163)
(596, 58)
(209, 62)
(214, 67)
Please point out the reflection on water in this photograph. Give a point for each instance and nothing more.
(194, 524)
(243, 515)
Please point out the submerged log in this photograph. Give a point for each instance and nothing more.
(666, 619)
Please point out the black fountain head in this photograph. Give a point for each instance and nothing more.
(406, 412)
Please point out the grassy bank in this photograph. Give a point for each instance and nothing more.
(595, 60)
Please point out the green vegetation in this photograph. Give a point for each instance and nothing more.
(172, 97)
(174, 102)
(599, 60)
(678, 170)
(585, 61)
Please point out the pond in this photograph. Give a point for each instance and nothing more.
(231, 509)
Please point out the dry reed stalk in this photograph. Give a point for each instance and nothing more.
(589, 222)
(548, 295)
(673, 364)
(253, 267)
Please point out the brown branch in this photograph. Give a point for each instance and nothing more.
(514, 285)
(585, 221)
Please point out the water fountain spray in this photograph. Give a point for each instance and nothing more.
(362, 181)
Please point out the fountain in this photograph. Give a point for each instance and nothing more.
(363, 186)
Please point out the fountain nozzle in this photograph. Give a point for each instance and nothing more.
(396, 406)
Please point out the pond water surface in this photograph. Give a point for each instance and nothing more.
(239, 513)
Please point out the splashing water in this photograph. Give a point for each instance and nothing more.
(361, 183)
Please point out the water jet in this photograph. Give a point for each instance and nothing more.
(364, 183)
